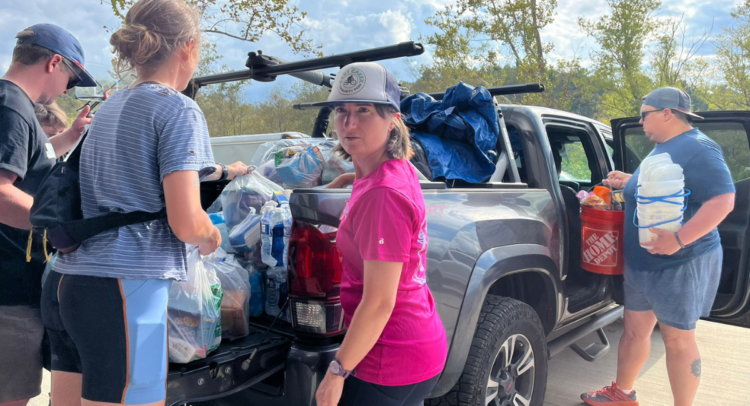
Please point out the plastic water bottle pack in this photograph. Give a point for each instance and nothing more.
(266, 234)
(660, 197)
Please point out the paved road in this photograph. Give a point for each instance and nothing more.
(725, 381)
(725, 351)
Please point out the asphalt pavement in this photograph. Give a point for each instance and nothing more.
(725, 375)
(725, 381)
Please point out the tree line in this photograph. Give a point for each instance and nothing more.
(493, 43)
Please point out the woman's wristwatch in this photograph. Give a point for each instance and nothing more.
(338, 370)
(224, 172)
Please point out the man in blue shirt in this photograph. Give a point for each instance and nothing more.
(675, 279)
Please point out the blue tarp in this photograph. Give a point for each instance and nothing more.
(457, 133)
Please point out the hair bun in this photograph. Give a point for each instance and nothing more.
(153, 29)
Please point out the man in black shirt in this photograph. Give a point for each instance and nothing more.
(47, 62)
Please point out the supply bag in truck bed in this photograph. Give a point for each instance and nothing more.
(459, 133)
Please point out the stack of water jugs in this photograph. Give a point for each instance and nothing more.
(275, 229)
(660, 196)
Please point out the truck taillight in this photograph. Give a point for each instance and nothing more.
(315, 270)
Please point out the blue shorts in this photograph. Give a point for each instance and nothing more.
(678, 296)
(112, 330)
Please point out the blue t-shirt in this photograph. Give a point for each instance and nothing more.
(137, 137)
(706, 176)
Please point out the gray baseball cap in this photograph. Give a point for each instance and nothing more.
(364, 82)
(670, 98)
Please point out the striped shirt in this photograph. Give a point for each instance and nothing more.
(137, 137)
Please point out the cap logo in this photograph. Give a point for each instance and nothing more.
(352, 81)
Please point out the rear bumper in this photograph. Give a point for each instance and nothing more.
(306, 367)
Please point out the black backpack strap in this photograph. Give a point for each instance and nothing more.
(75, 232)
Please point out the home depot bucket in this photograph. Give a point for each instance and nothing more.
(601, 241)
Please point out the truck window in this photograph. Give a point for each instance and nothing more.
(569, 150)
(732, 137)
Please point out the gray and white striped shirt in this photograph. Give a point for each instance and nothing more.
(137, 137)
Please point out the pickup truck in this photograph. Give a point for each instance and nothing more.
(504, 262)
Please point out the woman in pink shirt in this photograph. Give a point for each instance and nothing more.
(395, 345)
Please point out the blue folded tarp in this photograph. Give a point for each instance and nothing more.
(457, 133)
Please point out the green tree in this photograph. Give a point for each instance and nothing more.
(674, 52)
(246, 20)
(513, 26)
(733, 52)
(621, 36)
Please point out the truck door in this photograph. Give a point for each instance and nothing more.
(730, 129)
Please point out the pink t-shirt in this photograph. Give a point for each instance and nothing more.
(385, 221)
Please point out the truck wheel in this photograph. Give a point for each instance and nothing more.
(507, 363)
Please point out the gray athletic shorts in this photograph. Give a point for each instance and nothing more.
(678, 296)
(21, 334)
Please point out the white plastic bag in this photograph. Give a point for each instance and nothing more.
(334, 166)
(235, 306)
(193, 312)
(242, 193)
(266, 151)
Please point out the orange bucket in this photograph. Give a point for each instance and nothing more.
(601, 241)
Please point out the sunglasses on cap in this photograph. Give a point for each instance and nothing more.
(72, 82)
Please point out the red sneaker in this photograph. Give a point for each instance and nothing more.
(609, 396)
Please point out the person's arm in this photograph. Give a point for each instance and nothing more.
(65, 141)
(236, 169)
(617, 179)
(184, 212)
(379, 297)
(708, 217)
(381, 281)
(15, 203)
(184, 149)
(341, 181)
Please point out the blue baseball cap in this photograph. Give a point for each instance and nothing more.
(61, 42)
(670, 98)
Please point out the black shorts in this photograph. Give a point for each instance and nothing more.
(360, 393)
(113, 330)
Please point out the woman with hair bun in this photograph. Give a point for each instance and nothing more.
(105, 305)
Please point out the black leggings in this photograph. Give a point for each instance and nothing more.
(360, 393)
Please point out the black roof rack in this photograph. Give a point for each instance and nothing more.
(494, 91)
(265, 68)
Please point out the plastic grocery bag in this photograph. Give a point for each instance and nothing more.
(334, 166)
(265, 151)
(268, 170)
(303, 170)
(193, 312)
(242, 193)
(235, 306)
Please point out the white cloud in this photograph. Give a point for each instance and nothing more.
(398, 24)
(338, 25)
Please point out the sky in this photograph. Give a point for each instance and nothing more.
(338, 25)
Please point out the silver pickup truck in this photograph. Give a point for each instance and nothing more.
(504, 266)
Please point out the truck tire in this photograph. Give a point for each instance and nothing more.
(509, 339)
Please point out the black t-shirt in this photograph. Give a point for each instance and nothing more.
(26, 152)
